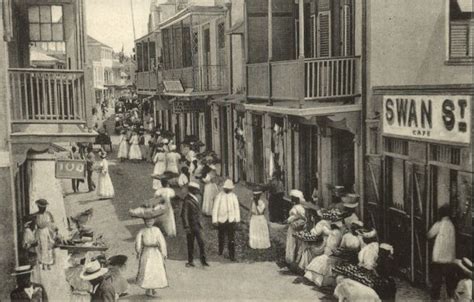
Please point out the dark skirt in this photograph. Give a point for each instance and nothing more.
(276, 207)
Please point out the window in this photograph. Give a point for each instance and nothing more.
(152, 52)
(166, 52)
(221, 35)
(139, 57)
(346, 28)
(187, 51)
(145, 57)
(46, 23)
(461, 30)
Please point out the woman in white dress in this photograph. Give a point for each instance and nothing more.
(105, 188)
(296, 221)
(259, 237)
(150, 246)
(320, 267)
(210, 191)
(123, 146)
(160, 166)
(167, 221)
(172, 160)
(135, 152)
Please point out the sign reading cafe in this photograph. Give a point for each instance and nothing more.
(428, 117)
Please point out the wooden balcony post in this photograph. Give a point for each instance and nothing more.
(246, 55)
(301, 69)
(270, 51)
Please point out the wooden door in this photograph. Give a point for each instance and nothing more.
(374, 207)
(224, 141)
(398, 213)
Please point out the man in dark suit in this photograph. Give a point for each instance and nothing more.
(90, 158)
(102, 287)
(191, 215)
(27, 290)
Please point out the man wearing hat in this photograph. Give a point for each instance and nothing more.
(102, 288)
(226, 214)
(191, 215)
(27, 290)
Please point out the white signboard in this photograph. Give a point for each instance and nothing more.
(428, 117)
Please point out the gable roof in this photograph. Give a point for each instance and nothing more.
(95, 42)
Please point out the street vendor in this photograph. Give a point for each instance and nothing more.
(45, 234)
(296, 222)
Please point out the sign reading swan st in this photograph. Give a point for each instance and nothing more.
(70, 168)
(428, 117)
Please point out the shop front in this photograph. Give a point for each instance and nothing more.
(426, 163)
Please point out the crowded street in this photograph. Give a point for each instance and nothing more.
(236, 150)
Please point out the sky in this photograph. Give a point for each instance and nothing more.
(110, 21)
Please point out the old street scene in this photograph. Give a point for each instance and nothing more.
(236, 150)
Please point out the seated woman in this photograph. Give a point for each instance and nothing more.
(319, 270)
(312, 250)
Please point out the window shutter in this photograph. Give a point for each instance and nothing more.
(312, 30)
(166, 54)
(346, 30)
(459, 40)
(324, 34)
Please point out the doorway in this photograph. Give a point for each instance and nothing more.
(224, 140)
(309, 159)
(258, 160)
(343, 159)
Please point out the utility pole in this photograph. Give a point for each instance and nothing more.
(133, 19)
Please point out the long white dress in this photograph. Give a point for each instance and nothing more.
(320, 267)
(172, 162)
(45, 238)
(150, 245)
(297, 213)
(210, 192)
(105, 187)
(160, 168)
(135, 152)
(259, 237)
(123, 147)
(167, 221)
(353, 291)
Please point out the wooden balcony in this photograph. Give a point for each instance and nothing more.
(209, 78)
(147, 82)
(324, 78)
(47, 96)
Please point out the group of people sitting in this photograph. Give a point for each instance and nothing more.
(331, 248)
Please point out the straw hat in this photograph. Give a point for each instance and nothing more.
(42, 203)
(228, 184)
(387, 247)
(172, 147)
(22, 270)
(368, 233)
(257, 191)
(298, 194)
(350, 201)
(165, 141)
(93, 270)
(212, 167)
(194, 185)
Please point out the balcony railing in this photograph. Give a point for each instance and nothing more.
(324, 78)
(200, 78)
(47, 95)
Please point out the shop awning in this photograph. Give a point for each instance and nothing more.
(237, 29)
(310, 109)
(230, 99)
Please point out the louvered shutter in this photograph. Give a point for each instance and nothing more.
(346, 30)
(324, 34)
(459, 33)
(166, 53)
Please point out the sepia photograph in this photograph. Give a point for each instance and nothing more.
(236, 150)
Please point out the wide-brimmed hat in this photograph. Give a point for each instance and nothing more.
(228, 184)
(387, 247)
(350, 200)
(165, 141)
(93, 270)
(368, 233)
(298, 194)
(194, 185)
(172, 147)
(212, 167)
(22, 270)
(257, 191)
(117, 260)
(357, 225)
(42, 203)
